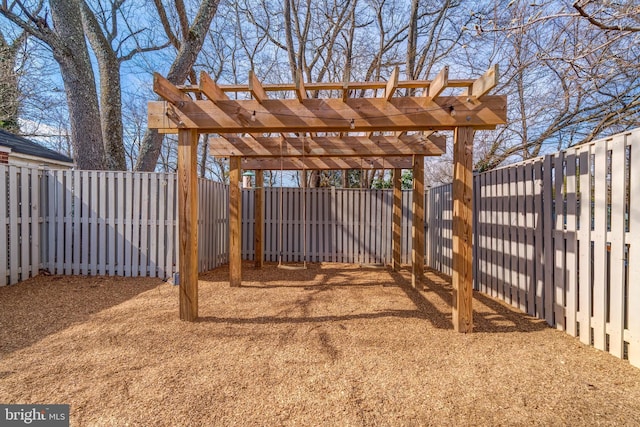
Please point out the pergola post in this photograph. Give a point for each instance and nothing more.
(258, 226)
(188, 223)
(417, 227)
(397, 219)
(463, 229)
(235, 222)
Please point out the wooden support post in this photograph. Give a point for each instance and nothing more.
(397, 219)
(188, 223)
(463, 229)
(235, 222)
(417, 228)
(259, 219)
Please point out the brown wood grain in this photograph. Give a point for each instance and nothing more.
(417, 227)
(397, 219)
(243, 146)
(329, 115)
(188, 223)
(463, 229)
(258, 227)
(326, 163)
(235, 222)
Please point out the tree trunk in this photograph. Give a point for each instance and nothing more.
(9, 93)
(77, 74)
(110, 92)
(189, 50)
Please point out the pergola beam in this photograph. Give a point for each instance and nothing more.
(230, 145)
(289, 87)
(326, 163)
(329, 115)
(165, 89)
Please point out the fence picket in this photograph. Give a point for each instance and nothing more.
(633, 298)
(13, 208)
(25, 249)
(530, 274)
(548, 224)
(520, 227)
(120, 232)
(538, 224)
(92, 212)
(500, 260)
(4, 224)
(559, 243)
(128, 224)
(570, 246)
(615, 327)
(36, 183)
(600, 248)
(584, 247)
(144, 225)
(74, 224)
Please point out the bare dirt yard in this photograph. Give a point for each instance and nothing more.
(331, 345)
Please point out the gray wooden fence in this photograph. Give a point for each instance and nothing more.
(98, 222)
(559, 238)
(339, 225)
(124, 223)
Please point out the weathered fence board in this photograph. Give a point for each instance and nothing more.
(584, 283)
(569, 225)
(633, 257)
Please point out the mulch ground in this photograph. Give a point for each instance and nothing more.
(331, 345)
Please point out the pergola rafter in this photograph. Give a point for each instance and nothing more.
(313, 133)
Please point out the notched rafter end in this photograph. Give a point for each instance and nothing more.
(485, 83)
(439, 83)
(168, 91)
(211, 89)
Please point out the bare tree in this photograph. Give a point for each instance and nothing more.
(568, 80)
(9, 92)
(111, 48)
(66, 40)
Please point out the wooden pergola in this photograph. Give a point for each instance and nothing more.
(261, 132)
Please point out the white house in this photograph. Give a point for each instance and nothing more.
(19, 151)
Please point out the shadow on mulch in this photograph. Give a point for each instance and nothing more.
(27, 308)
(489, 314)
(433, 302)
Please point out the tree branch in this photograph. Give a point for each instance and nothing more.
(602, 25)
